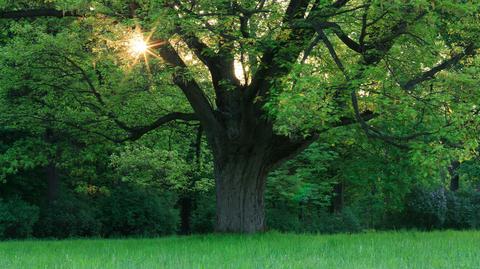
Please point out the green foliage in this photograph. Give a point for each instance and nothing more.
(23, 154)
(203, 215)
(283, 218)
(463, 210)
(152, 167)
(441, 209)
(68, 216)
(131, 211)
(17, 218)
(474, 219)
(469, 172)
(345, 222)
(426, 209)
(319, 221)
(303, 182)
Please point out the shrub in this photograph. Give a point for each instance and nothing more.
(474, 217)
(325, 222)
(312, 220)
(283, 218)
(68, 216)
(137, 211)
(426, 209)
(17, 218)
(459, 210)
(350, 221)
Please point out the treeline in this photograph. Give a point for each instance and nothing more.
(58, 185)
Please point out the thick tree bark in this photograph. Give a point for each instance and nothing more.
(245, 151)
(240, 186)
(243, 157)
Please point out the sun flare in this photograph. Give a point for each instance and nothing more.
(138, 45)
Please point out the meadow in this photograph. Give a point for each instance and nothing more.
(447, 249)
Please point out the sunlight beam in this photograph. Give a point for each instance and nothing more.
(138, 45)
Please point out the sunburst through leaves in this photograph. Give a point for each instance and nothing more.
(140, 47)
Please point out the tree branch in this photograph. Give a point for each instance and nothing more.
(194, 94)
(275, 60)
(190, 88)
(369, 130)
(34, 13)
(284, 148)
(340, 3)
(352, 44)
(220, 65)
(139, 131)
(430, 74)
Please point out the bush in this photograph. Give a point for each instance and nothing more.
(464, 210)
(283, 218)
(68, 216)
(426, 209)
(312, 220)
(443, 209)
(136, 211)
(17, 218)
(474, 217)
(459, 210)
(325, 222)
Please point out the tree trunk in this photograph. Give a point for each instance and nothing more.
(454, 176)
(336, 205)
(51, 171)
(53, 182)
(244, 152)
(185, 214)
(240, 186)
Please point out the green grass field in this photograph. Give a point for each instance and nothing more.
(272, 250)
